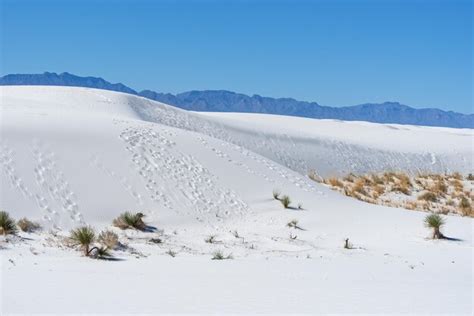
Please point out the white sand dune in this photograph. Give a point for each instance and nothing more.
(71, 156)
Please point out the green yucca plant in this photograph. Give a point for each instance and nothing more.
(84, 237)
(285, 201)
(130, 220)
(219, 255)
(7, 224)
(435, 222)
(276, 194)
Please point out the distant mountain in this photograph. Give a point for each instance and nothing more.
(227, 101)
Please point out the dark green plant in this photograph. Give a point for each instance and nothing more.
(285, 201)
(84, 237)
(7, 224)
(435, 222)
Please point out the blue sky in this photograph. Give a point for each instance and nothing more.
(333, 52)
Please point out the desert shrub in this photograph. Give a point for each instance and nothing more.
(293, 223)
(350, 177)
(411, 205)
(440, 187)
(130, 220)
(7, 224)
(276, 194)
(465, 206)
(435, 222)
(450, 202)
(359, 186)
(211, 239)
(84, 237)
(402, 188)
(456, 175)
(219, 255)
(109, 239)
(458, 186)
(285, 201)
(102, 252)
(470, 177)
(428, 196)
(27, 226)
(171, 253)
(377, 179)
(335, 182)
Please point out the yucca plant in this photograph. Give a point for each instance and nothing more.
(276, 194)
(130, 220)
(435, 222)
(219, 255)
(101, 252)
(285, 201)
(7, 224)
(84, 237)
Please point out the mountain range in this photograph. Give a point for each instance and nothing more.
(227, 101)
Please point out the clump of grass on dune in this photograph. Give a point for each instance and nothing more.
(129, 220)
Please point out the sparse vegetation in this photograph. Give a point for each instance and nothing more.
(441, 193)
(211, 239)
(276, 194)
(470, 177)
(130, 220)
(7, 224)
(171, 253)
(109, 239)
(101, 252)
(428, 196)
(285, 201)
(294, 224)
(465, 206)
(84, 237)
(435, 222)
(347, 244)
(219, 255)
(28, 226)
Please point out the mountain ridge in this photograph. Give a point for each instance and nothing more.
(228, 101)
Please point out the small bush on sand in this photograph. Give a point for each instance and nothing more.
(435, 222)
(84, 237)
(130, 220)
(102, 252)
(7, 224)
(335, 182)
(293, 223)
(428, 196)
(465, 206)
(285, 201)
(470, 177)
(276, 194)
(109, 239)
(347, 244)
(219, 255)
(440, 187)
(171, 253)
(27, 226)
(211, 239)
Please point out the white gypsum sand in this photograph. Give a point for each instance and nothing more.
(75, 156)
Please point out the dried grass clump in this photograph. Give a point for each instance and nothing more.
(456, 175)
(458, 185)
(335, 182)
(439, 187)
(130, 220)
(465, 206)
(359, 186)
(28, 226)
(109, 239)
(428, 196)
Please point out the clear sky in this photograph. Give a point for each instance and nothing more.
(333, 52)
